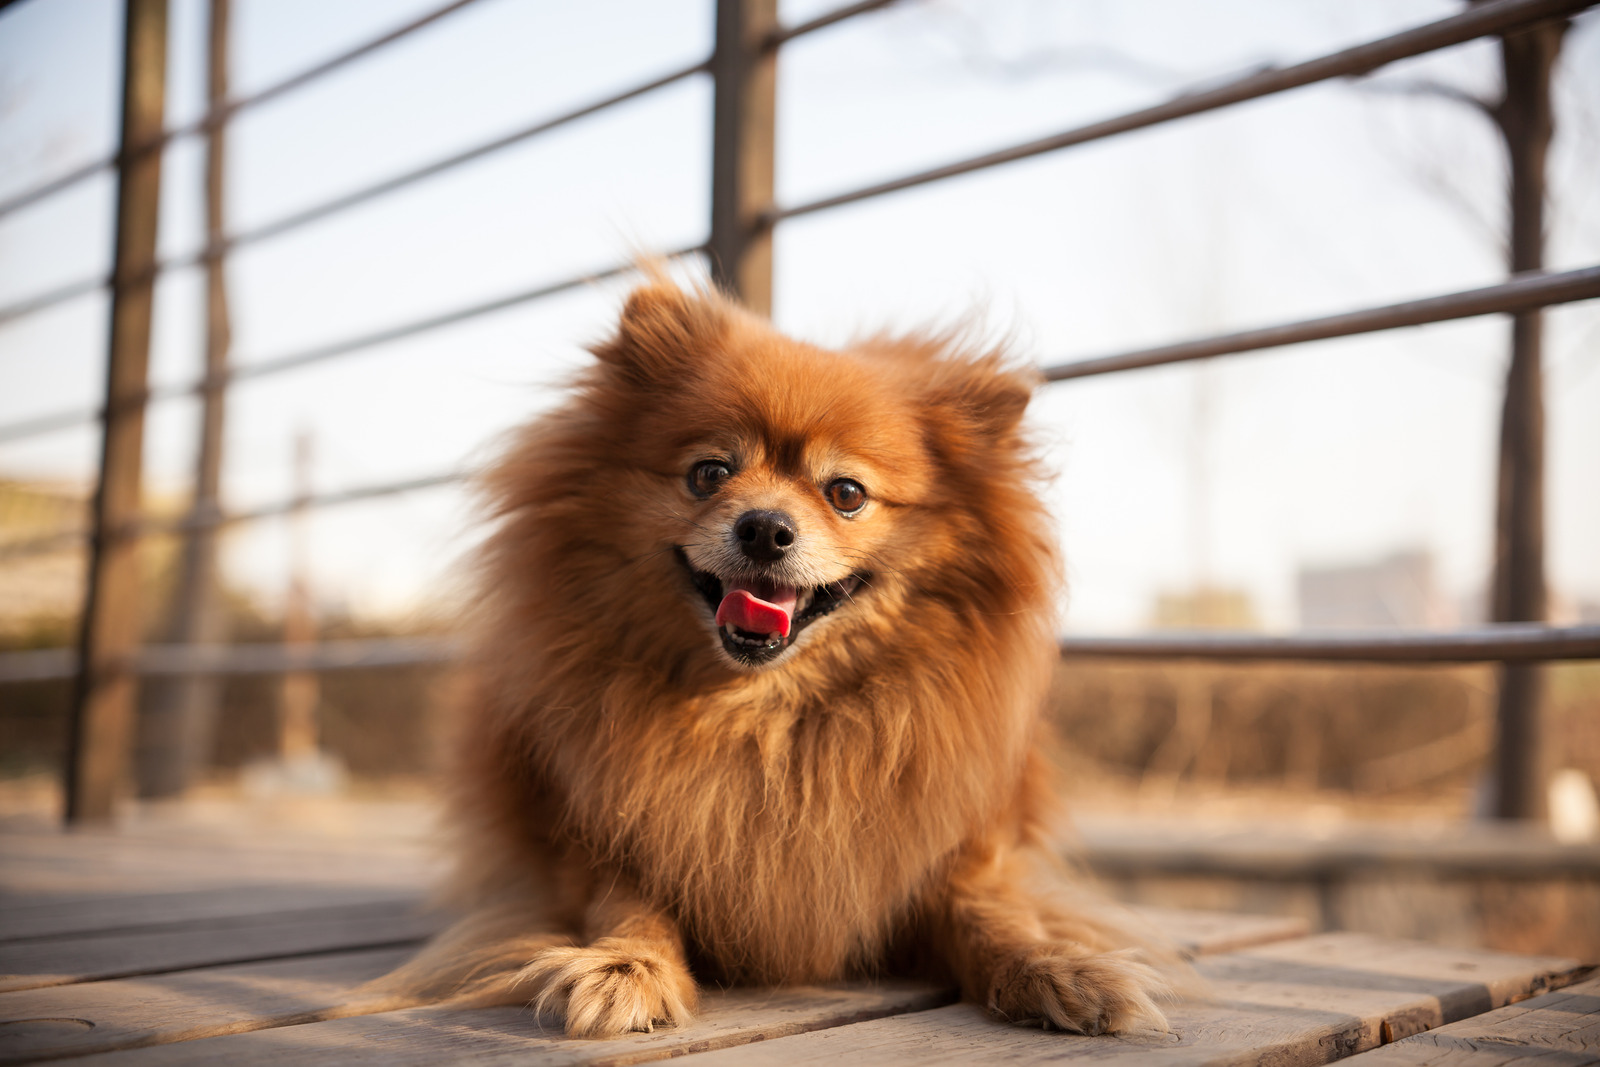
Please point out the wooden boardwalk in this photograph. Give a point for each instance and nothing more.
(217, 946)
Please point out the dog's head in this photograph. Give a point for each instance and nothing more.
(726, 491)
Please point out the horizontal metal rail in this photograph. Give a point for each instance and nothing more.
(279, 364)
(1524, 291)
(1505, 643)
(1519, 294)
(1509, 642)
(34, 546)
(44, 544)
(59, 664)
(346, 201)
(49, 299)
(226, 110)
(1479, 20)
(63, 420)
(446, 163)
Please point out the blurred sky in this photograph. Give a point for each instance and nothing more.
(1320, 200)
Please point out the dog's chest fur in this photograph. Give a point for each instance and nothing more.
(789, 840)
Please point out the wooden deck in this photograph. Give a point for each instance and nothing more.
(215, 944)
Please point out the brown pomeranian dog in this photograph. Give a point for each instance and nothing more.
(765, 633)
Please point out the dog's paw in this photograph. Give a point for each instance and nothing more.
(610, 987)
(1057, 985)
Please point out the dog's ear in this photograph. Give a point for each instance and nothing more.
(984, 397)
(661, 331)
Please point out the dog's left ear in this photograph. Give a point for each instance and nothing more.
(986, 397)
(661, 330)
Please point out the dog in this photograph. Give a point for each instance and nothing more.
(763, 635)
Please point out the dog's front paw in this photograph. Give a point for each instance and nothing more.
(1058, 985)
(611, 987)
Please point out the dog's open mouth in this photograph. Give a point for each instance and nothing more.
(757, 620)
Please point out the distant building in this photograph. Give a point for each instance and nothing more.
(1206, 608)
(1397, 591)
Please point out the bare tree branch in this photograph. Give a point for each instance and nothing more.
(1429, 87)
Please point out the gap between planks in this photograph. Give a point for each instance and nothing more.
(162, 948)
(1560, 1029)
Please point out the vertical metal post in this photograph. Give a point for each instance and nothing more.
(180, 717)
(297, 719)
(742, 150)
(1526, 120)
(102, 712)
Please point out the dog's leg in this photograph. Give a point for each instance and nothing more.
(996, 938)
(631, 974)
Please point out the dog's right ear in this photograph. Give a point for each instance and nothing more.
(661, 331)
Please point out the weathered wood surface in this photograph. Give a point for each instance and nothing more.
(234, 947)
(518, 1036)
(87, 957)
(1560, 1029)
(188, 1004)
(48, 866)
(1301, 1002)
(1210, 933)
(74, 1020)
(34, 920)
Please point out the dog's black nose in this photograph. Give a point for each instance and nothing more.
(764, 536)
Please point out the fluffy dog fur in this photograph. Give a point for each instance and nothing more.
(639, 804)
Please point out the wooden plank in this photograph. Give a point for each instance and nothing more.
(37, 1024)
(39, 867)
(1559, 1029)
(518, 1036)
(206, 943)
(148, 1011)
(1302, 1002)
(37, 920)
(191, 1004)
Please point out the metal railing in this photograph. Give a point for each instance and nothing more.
(744, 214)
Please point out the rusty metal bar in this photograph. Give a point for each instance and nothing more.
(178, 716)
(275, 658)
(56, 185)
(279, 364)
(1532, 290)
(1520, 293)
(213, 517)
(1526, 118)
(1505, 643)
(59, 295)
(357, 494)
(221, 113)
(62, 420)
(1481, 20)
(103, 701)
(37, 546)
(743, 130)
(784, 34)
(1518, 643)
(447, 163)
(218, 245)
(40, 425)
(60, 664)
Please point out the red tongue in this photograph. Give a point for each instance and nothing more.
(748, 612)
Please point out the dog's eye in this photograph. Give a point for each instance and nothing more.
(705, 477)
(846, 495)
